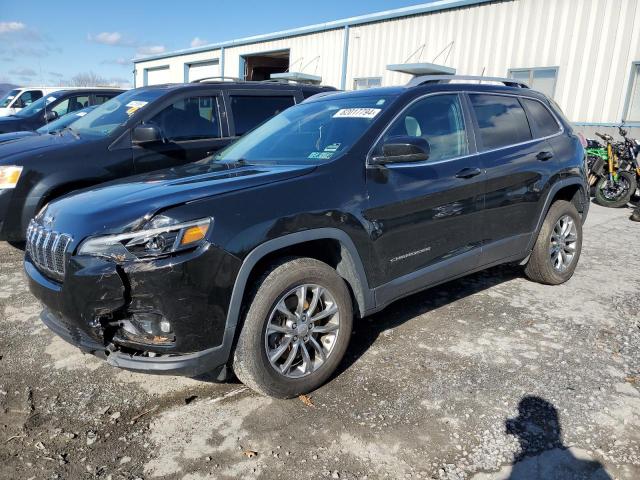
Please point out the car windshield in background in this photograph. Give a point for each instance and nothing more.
(110, 115)
(6, 99)
(311, 132)
(64, 121)
(37, 106)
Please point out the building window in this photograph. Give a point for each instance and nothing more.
(368, 82)
(633, 102)
(542, 79)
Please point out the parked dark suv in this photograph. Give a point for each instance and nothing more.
(142, 130)
(259, 257)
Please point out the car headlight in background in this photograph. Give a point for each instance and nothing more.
(9, 176)
(161, 236)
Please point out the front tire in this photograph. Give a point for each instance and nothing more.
(618, 195)
(557, 249)
(296, 329)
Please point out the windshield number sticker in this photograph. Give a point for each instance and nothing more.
(321, 155)
(134, 106)
(357, 113)
(50, 99)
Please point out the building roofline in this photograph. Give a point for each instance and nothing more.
(423, 8)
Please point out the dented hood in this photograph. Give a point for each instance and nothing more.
(120, 206)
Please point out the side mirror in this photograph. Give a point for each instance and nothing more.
(50, 116)
(402, 149)
(146, 133)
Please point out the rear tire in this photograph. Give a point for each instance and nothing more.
(557, 249)
(607, 198)
(277, 322)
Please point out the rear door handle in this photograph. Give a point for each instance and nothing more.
(468, 173)
(544, 156)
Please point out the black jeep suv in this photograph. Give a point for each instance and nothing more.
(258, 258)
(142, 130)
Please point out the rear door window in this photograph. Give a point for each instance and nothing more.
(501, 120)
(249, 111)
(542, 121)
(100, 98)
(71, 104)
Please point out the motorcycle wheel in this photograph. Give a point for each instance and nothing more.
(618, 194)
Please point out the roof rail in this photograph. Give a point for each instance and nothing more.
(422, 79)
(216, 79)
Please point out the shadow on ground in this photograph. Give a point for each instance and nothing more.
(542, 454)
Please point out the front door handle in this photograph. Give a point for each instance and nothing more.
(468, 173)
(544, 156)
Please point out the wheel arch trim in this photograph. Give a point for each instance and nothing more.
(365, 299)
(555, 188)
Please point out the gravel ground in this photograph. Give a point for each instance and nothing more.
(489, 377)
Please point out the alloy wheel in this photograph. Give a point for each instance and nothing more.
(563, 243)
(302, 330)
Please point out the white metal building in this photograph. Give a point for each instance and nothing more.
(584, 53)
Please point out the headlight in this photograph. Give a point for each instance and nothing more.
(9, 176)
(161, 237)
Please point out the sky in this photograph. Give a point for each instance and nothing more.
(48, 43)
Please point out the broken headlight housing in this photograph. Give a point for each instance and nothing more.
(161, 236)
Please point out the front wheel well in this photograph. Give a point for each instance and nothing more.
(60, 190)
(327, 250)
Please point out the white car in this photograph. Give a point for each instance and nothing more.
(18, 98)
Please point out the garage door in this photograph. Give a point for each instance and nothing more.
(156, 76)
(199, 70)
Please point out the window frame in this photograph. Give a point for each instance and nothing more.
(22, 94)
(634, 78)
(355, 79)
(469, 127)
(531, 70)
(228, 93)
(476, 126)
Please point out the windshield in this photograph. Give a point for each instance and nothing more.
(110, 115)
(38, 105)
(8, 97)
(311, 132)
(64, 121)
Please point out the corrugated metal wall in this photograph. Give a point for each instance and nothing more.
(318, 53)
(592, 42)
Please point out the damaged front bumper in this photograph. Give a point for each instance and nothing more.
(97, 305)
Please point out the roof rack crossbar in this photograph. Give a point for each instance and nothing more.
(216, 79)
(422, 79)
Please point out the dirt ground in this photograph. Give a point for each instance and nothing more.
(489, 377)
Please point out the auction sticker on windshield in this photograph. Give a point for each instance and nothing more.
(135, 105)
(357, 113)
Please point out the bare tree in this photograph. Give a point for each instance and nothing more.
(88, 79)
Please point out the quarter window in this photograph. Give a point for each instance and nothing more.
(364, 83)
(440, 121)
(543, 123)
(249, 111)
(541, 79)
(191, 118)
(501, 120)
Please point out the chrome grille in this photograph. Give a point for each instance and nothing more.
(47, 249)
